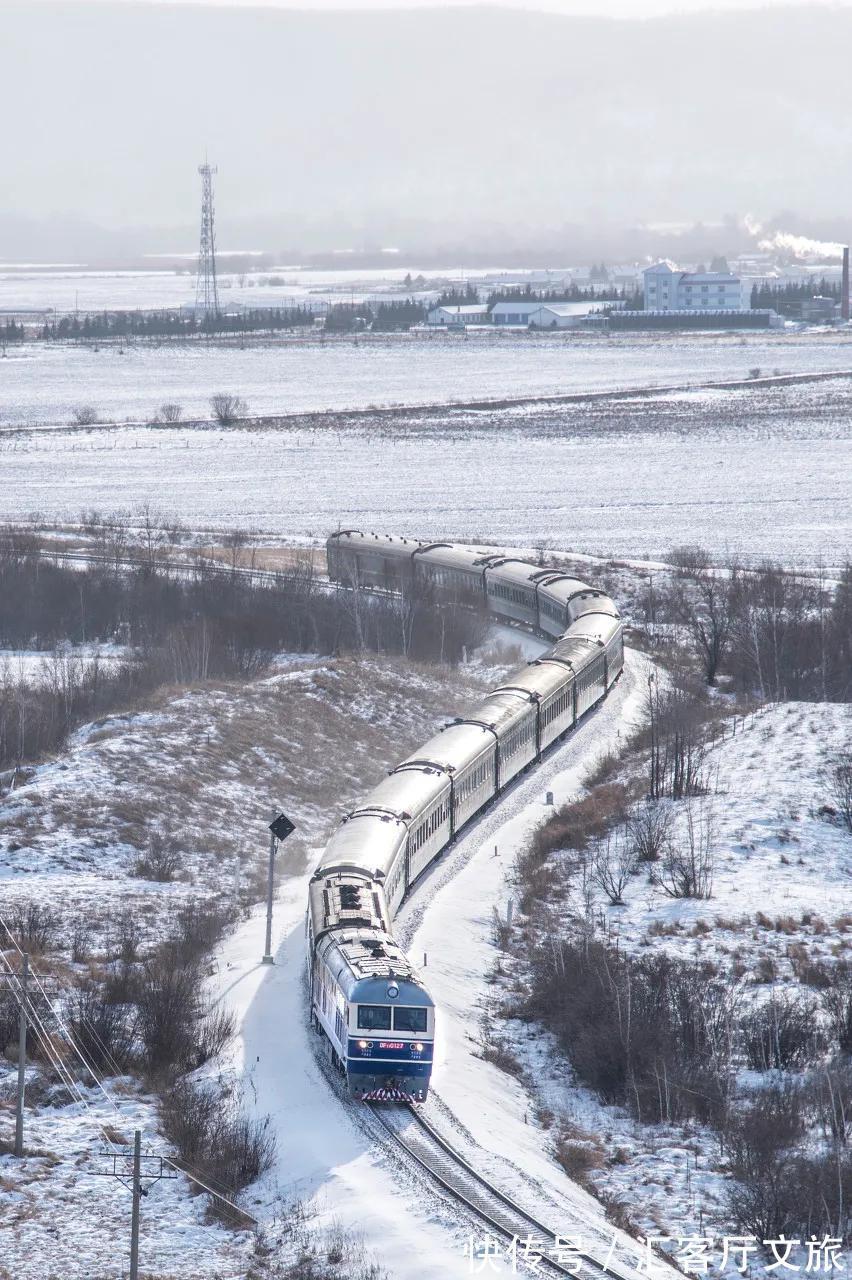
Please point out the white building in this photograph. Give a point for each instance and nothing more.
(568, 315)
(667, 289)
(459, 314)
(517, 311)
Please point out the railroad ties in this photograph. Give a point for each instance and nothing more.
(415, 1135)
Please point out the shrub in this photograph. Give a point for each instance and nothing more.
(33, 926)
(168, 1010)
(840, 779)
(227, 407)
(103, 1030)
(162, 859)
(836, 1000)
(171, 412)
(211, 1134)
(781, 1034)
(578, 1156)
(650, 827)
(86, 415)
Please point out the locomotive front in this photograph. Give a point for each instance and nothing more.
(391, 1040)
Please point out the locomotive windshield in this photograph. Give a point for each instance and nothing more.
(409, 1020)
(374, 1017)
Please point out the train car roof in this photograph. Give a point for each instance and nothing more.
(375, 991)
(501, 709)
(457, 745)
(446, 556)
(539, 677)
(366, 963)
(369, 841)
(564, 588)
(595, 624)
(379, 542)
(407, 792)
(343, 897)
(520, 573)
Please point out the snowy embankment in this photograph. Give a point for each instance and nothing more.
(325, 1151)
(206, 767)
(779, 915)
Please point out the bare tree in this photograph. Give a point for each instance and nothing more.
(704, 604)
(687, 870)
(86, 415)
(840, 779)
(171, 412)
(613, 863)
(235, 540)
(227, 407)
(650, 827)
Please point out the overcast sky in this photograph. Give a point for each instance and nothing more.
(410, 124)
(600, 8)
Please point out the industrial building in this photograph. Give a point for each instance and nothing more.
(455, 315)
(667, 289)
(695, 319)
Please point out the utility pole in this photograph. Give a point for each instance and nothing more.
(279, 829)
(134, 1212)
(124, 1164)
(22, 1055)
(270, 879)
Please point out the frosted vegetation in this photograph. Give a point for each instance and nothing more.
(685, 934)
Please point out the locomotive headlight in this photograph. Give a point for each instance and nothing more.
(418, 1046)
(363, 1044)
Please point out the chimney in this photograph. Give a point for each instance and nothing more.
(844, 287)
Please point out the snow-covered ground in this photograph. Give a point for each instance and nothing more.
(44, 383)
(324, 1144)
(327, 1156)
(763, 474)
(34, 665)
(781, 900)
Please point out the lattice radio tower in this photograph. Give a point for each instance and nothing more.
(206, 289)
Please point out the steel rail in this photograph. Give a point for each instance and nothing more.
(492, 1206)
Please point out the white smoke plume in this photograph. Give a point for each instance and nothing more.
(790, 242)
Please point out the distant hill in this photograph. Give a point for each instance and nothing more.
(380, 127)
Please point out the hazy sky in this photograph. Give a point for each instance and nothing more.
(599, 8)
(445, 123)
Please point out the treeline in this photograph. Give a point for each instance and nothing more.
(780, 297)
(170, 324)
(11, 332)
(771, 633)
(179, 627)
(574, 293)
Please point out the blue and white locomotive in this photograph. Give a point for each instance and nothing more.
(365, 996)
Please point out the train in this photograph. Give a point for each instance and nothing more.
(365, 995)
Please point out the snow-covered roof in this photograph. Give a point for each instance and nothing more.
(464, 308)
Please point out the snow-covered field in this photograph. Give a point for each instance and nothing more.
(44, 383)
(759, 472)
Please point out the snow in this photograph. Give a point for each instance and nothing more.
(777, 859)
(32, 665)
(322, 1145)
(43, 383)
(768, 477)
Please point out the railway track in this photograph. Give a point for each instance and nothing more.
(543, 1250)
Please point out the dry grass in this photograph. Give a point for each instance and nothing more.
(578, 1152)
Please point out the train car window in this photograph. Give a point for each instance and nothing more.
(374, 1017)
(409, 1020)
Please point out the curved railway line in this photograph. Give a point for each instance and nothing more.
(551, 1253)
